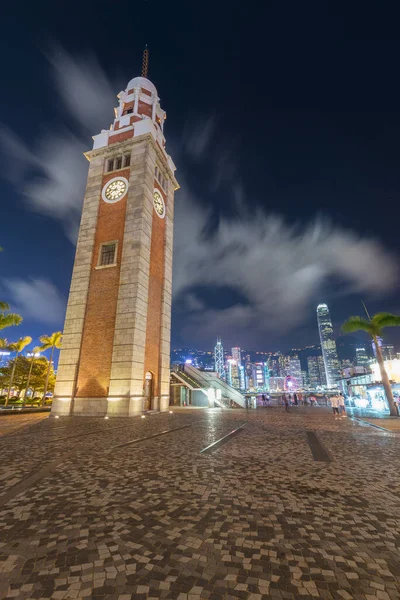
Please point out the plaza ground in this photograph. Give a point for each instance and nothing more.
(295, 505)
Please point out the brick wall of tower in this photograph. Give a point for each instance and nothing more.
(98, 334)
(154, 310)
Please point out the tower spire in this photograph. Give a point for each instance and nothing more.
(145, 62)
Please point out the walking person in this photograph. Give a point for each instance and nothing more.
(285, 402)
(342, 407)
(295, 399)
(335, 406)
(263, 399)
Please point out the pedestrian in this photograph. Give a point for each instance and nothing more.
(295, 399)
(285, 402)
(335, 406)
(268, 398)
(342, 407)
(263, 399)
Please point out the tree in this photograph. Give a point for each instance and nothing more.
(16, 347)
(35, 351)
(24, 368)
(50, 341)
(373, 326)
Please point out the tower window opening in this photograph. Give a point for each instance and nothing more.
(128, 111)
(108, 254)
(118, 162)
(161, 179)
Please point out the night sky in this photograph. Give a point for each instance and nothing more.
(283, 123)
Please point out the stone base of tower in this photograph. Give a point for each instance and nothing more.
(105, 407)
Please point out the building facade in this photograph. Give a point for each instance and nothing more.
(316, 371)
(115, 358)
(362, 358)
(328, 345)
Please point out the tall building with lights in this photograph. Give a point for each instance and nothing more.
(115, 356)
(236, 355)
(328, 345)
(219, 358)
(316, 371)
(362, 359)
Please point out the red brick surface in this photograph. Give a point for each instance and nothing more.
(153, 330)
(98, 332)
(120, 137)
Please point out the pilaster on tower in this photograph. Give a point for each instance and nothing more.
(116, 345)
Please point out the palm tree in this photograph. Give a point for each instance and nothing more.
(50, 341)
(35, 351)
(16, 347)
(8, 319)
(373, 326)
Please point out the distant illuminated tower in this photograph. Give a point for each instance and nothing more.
(328, 345)
(236, 355)
(115, 356)
(362, 359)
(316, 371)
(219, 359)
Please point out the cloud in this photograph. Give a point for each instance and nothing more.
(84, 88)
(51, 174)
(278, 268)
(37, 299)
(197, 136)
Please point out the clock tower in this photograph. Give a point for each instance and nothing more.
(115, 356)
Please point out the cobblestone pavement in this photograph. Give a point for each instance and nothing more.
(11, 423)
(85, 514)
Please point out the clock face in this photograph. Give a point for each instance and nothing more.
(115, 189)
(159, 205)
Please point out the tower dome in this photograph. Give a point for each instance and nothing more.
(142, 82)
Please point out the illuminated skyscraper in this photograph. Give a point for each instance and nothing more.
(316, 371)
(219, 359)
(236, 355)
(328, 345)
(362, 359)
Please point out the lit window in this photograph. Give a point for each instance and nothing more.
(127, 160)
(110, 165)
(108, 254)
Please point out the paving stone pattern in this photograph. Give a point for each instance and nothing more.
(256, 519)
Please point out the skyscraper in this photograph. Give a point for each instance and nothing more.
(362, 359)
(219, 358)
(115, 356)
(328, 345)
(316, 371)
(236, 355)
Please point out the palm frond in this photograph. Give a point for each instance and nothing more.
(4, 306)
(21, 344)
(9, 320)
(386, 320)
(4, 344)
(357, 324)
(51, 341)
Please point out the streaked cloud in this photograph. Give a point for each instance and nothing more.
(36, 298)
